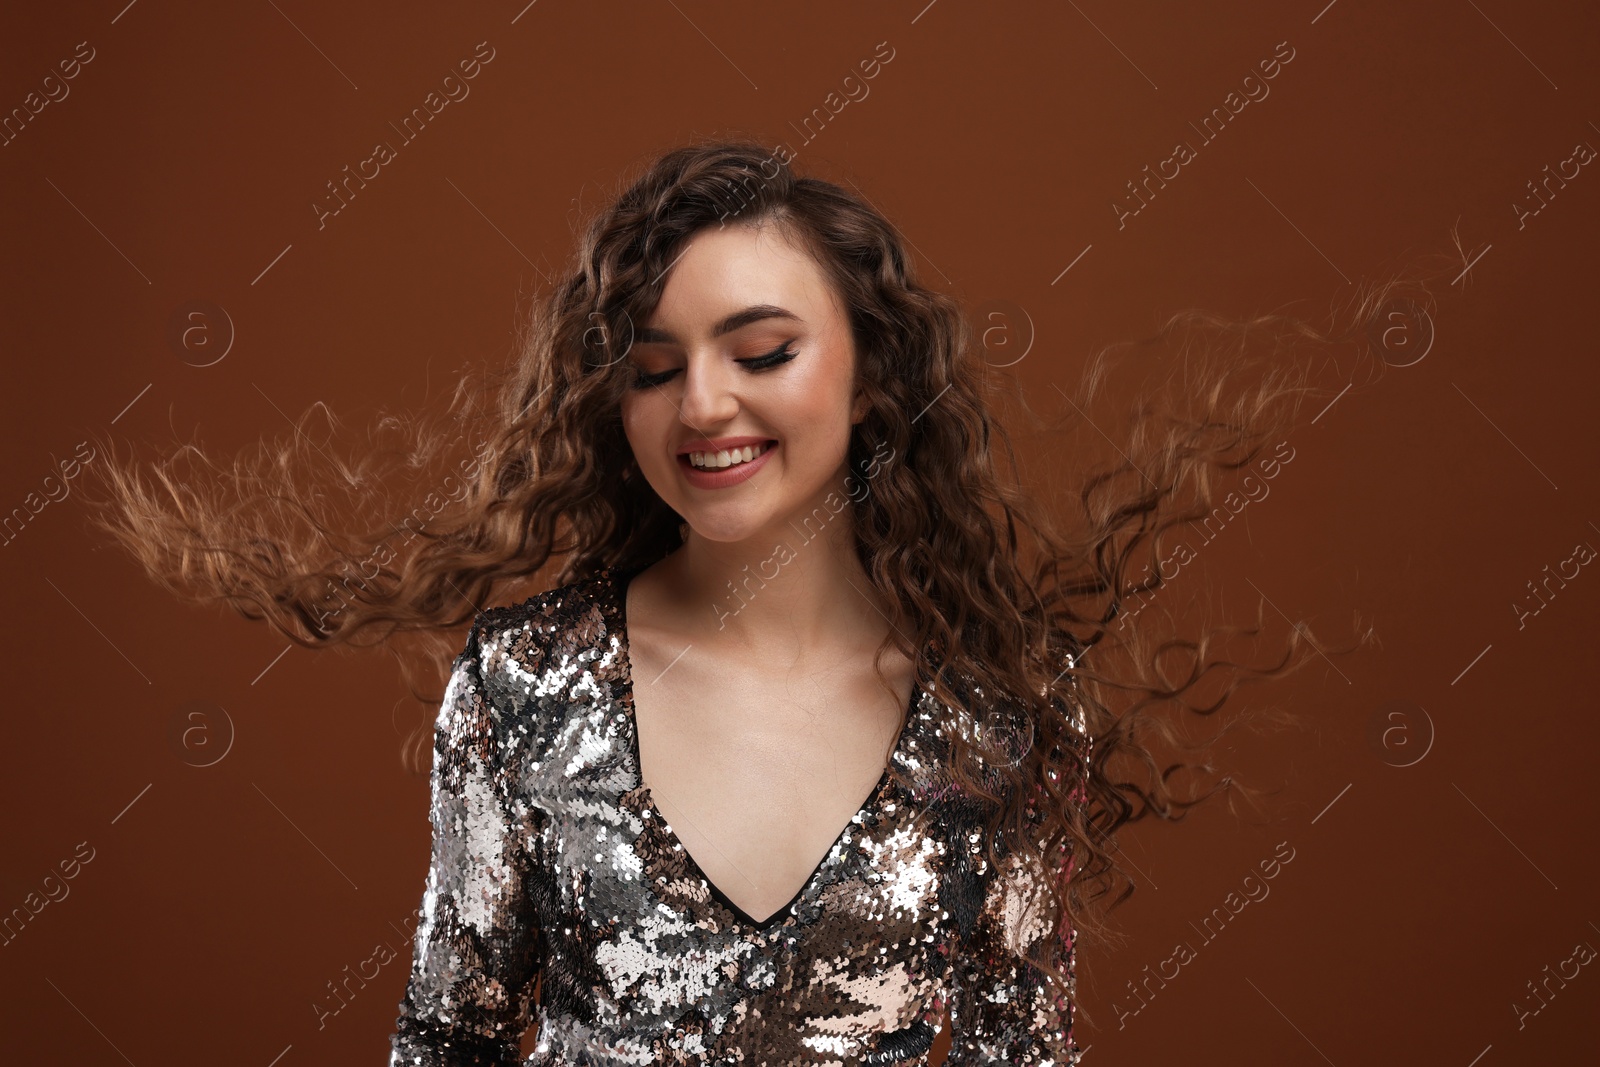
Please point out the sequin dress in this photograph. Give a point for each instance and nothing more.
(550, 864)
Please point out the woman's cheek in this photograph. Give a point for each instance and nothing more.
(635, 427)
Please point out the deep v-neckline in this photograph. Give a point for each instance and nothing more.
(620, 581)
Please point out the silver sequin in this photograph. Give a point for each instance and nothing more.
(553, 872)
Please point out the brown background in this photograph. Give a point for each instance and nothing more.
(222, 900)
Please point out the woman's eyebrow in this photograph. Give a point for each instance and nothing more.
(739, 319)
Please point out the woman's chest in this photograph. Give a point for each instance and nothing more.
(758, 778)
(594, 818)
(630, 917)
(865, 940)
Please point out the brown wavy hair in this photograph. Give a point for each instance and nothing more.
(1031, 608)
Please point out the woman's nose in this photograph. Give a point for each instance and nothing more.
(708, 393)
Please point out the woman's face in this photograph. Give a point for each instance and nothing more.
(749, 346)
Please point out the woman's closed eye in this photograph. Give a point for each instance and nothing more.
(775, 358)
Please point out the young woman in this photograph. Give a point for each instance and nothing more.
(799, 758)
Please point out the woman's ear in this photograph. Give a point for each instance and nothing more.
(859, 407)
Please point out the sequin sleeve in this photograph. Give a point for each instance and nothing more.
(1005, 1010)
(477, 949)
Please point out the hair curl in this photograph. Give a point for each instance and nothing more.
(942, 535)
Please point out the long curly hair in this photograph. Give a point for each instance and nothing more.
(1061, 696)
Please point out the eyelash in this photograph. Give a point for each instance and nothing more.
(775, 358)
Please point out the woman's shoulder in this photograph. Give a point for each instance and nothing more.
(558, 629)
(562, 605)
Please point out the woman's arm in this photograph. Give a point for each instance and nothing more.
(1004, 1010)
(478, 947)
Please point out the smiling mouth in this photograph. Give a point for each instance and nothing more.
(726, 459)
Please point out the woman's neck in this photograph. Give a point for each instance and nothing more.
(801, 602)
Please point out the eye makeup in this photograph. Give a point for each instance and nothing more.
(776, 358)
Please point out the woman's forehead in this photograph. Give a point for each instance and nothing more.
(721, 272)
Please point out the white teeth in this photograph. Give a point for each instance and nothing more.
(725, 457)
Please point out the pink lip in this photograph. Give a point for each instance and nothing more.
(722, 479)
(718, 444)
